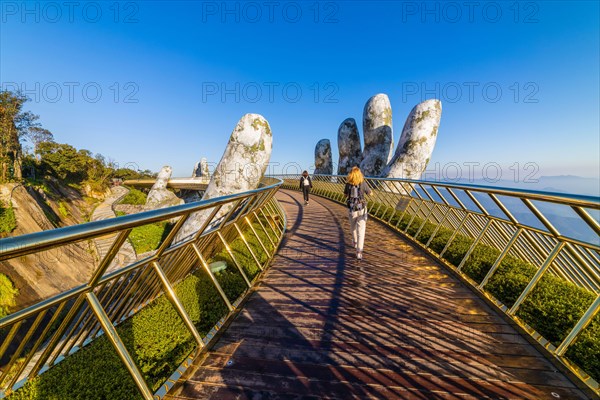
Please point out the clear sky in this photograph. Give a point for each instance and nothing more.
(156, 83)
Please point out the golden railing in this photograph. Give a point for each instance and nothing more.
(38, 337)
(517, 223)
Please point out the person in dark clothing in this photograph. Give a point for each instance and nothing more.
(355, 190)
(305, 185)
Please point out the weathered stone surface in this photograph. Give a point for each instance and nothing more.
(217, 266)
(377, 130)
(197, 172)
(204, 168)
(201, 169)
(349, 146)
(323, 161)
(417, 141)
(160, 196)
(241, 168)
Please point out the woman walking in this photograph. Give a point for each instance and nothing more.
(305, 186)
(355, 190)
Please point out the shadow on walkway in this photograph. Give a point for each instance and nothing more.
(396, 325)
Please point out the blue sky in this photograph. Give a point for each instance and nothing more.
(154, 83)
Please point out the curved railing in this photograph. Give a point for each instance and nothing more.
(42, 335)
(513, 246)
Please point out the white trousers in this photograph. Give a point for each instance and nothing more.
(358, 226)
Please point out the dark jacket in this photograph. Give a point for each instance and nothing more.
(364, 189)
(353, 203)
(302, 178)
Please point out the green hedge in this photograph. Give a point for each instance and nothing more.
(156, 337)
(8, 222)
(135, 197)
(8, 292)
(552, 308)
(147, 237)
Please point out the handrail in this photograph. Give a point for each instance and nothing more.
(174, 183)
(34, 242)
(555, 197)
(529, 229)
(74, 318)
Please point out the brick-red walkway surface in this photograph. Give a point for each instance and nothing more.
(394, 326)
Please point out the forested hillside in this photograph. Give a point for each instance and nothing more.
(45, 185)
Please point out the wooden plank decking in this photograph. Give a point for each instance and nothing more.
(394, 326)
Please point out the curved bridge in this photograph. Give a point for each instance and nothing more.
(461, 295)
(396, 325)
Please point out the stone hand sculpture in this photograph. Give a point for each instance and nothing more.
(323, 161)
(201, 169)
(377, 131)
(159, 196)
(349, 146)
(196, 173)
(204, 173)
(241, 168)
(417, 141)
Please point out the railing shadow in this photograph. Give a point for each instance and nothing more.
(323, 325)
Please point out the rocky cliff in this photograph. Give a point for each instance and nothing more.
(47, 206)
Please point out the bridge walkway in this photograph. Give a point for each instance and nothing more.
(396, 325)
(126, 254)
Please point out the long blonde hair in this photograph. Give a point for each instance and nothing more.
(355, 177)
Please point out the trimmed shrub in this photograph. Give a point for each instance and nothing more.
(147, 237)
(585, 351)
(554, 306)
(457, 249)
(480, 262)
(7, 295)
(135, 197)
(510, 280)
(8, 222)
(156, 338)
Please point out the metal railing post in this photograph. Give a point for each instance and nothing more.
(536, 278)
(237, 264)
(453, 236)
(583, 322)
(475, 243)
(212, 276)
(256, 235)
(241, 234)
(117, 343)
(500, 258)
(172, 296)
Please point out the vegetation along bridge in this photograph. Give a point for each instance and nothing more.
(465, 292)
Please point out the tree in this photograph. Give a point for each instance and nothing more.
(65, 162)
(62, 161)
(37, 135)
(15, 124)
(130, 173)
(98, 172)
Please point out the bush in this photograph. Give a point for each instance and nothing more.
(7, 295)
(62, 208)
(554, 306)
(510, 280)
(8, 222)
(156, 338)
(480, 262)
(585, 351)
(135, 197)
(147, 237)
